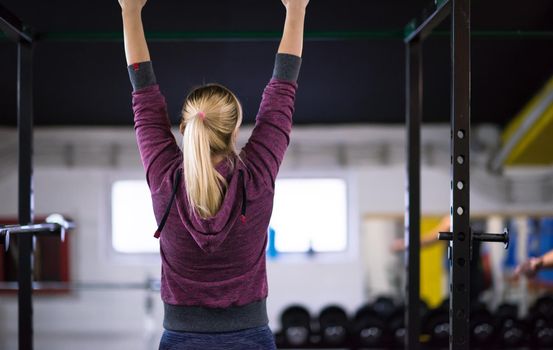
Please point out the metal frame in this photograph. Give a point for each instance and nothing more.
(461, 244)
(421, 31)
(26, 199)
(16, 31)
(412, 200)
(414, 93)
(496, 163)
(461, 237)
(13, 28)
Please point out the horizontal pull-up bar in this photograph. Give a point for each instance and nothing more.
(206, 36)
(177, 36)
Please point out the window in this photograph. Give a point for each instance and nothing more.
(132, 219)
(308, 214)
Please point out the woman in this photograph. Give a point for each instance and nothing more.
(212, 203)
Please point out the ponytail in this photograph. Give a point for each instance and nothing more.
(211, 116)
(204, 185)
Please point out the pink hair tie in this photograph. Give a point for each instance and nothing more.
(201, 115)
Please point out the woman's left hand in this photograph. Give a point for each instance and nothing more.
(132, 5)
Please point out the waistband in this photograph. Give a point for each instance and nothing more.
(211, 320)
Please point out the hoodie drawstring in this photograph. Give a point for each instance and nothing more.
(168, 209)
(244, 197)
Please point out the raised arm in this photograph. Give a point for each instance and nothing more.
(270, 138)
(533, 265)
(292, 37)
(136, 49)
(398, 245)
(158, 149)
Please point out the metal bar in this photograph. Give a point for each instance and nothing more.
(424, 29)
(503, 34)
(489, 237)
(445, 236)
(150, 285)
(48, 229)
(13, 27)
(530, 120)
(25, 127)
(258, 36)
(460, 176)
(492, 237)
(35, 229)
(220, 36)
(412, 210)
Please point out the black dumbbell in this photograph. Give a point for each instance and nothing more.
(512, 330)
(384, 306)
(540, 321)
(333, 321)
(396, 324)
(396, 328)
(369, 328)
(544, 306)
(541, 331)
(296, 326)
(435, 324)
(482, 326)
(381, 323)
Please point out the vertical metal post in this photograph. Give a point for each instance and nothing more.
(460, 246)
(412, 200)
(26, 206)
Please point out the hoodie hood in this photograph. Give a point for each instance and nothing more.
(210, 233)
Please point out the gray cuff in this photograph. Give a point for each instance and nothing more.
(141, 75)
(287, 67)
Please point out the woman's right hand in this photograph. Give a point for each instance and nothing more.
(298, 3)
(132, 5)
(529, 268)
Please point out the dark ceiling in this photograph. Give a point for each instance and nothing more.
(342, 81)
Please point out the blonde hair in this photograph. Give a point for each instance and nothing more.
(211, 116)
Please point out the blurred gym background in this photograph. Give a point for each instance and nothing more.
(336, 271)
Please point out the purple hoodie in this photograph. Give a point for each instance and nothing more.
(217, 262)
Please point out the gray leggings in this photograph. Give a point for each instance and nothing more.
(258, 338)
